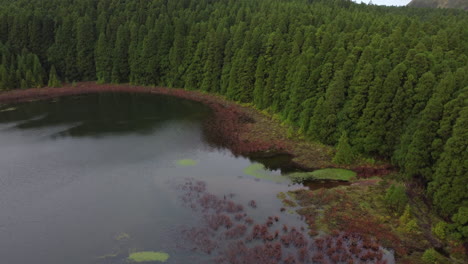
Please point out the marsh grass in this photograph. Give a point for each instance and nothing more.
(323, 174)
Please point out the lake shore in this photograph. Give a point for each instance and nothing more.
(243, 129)
(250, 132)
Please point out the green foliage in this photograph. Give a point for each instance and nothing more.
(148, 256)
(440, 229)
(460, 220)
(53, 79)
(344, 152)
(323, 174)
(396, 199)
(408, 223)
(431, 256)
(391, 79)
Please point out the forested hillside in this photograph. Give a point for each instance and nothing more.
(463, 4)
(394, 79)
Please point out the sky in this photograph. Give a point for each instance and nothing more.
(386, 2)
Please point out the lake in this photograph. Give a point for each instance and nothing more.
(92, 178)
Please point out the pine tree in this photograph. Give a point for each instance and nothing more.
(344, 152)
(418, 159)
(4, 79)
(259, 85)
(103, 60)
(85, 49)
(53, 78)
(120, 67)
(448, 188)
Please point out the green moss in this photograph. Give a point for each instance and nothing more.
(187, 162)
(259, 171)
(323, 174)
(145, 256)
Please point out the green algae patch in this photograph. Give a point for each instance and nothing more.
(148, 256)
(259, 171)
(187, 162)
(323, 174)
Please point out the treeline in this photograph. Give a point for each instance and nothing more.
(395, 80)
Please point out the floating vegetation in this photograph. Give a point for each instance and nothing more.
(8, 109)
(259, 171)
(323, 174)
(147, 256)
(281, 196)
(187, 162)
(287, 202)
(122, 236)
(230, 235)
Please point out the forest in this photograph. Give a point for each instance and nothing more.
(391, 81)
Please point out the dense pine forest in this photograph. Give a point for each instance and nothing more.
(391, 81)
(462, 4)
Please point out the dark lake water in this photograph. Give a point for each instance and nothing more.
(90, 176)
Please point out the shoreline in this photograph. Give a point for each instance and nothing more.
(241, 129)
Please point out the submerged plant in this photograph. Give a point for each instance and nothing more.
(145, 256)
(122, 236)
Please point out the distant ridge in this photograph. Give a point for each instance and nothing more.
(462, 4)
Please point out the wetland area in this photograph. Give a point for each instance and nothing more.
(122, 177)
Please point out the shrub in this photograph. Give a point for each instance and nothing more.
(396, 198)
(432, 256)
(460, 220)
(440, 230)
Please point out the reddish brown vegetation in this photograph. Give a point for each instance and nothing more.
(371, 171)
(273, 242)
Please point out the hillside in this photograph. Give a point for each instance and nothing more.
(462, 4)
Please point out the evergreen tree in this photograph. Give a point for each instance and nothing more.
(85, 49)
(259, 85)
(448, 188)
(103, 60)
(344, 152)
(418, 159)
(53, 78)
(120, 67)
